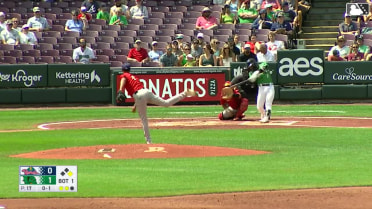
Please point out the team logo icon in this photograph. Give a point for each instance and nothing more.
(357, 9)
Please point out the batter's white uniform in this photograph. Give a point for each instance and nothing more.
(266, 93)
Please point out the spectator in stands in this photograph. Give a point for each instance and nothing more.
(234, 6)
(168, 59)
(2, 21)
(335, 56)
(298, 11)
(265, 55)
(216, 49)
(274, 45)
(246, 14)
(190, 61)
(247, 54)
(362, 48)
(84, 15)
(15, 22)
(343, 50)
(139, 11)
(27, 37)
(290, 15)
(123, 6)
(348, 26)
(103, 14)
(179, 38)
(118, 18)
(37, 22)
(83, 54)
(275, 3)
(233, 47)
(253, 43)
(281, 26)
(200, 38)
(227, 17)
(256, 4)
(206, 21)
(238, 43)
(9, 35)
(137, 53)
(262, 21)
(91, 5)
(75, 24)
(176, 50)
(354, 54)
(207, 59)
(155, 54)
(227, 56)
(270, 14)
(196, 49)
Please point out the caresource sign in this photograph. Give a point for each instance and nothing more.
(348, 73)
(300, 66)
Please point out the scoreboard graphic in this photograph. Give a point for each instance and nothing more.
(61, 178)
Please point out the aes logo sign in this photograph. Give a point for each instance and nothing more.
(300, 66)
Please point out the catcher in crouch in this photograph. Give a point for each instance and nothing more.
(230, 104)
(245, 88)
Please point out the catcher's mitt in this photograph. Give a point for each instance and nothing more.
(227, 93)
(120, 97)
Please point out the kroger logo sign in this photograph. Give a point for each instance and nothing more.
(350, 75)
(20, 76)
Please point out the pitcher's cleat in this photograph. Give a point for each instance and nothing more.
(148, 141)
(268, 114)
(191, 93)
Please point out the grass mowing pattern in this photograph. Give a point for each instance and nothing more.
(300, 158)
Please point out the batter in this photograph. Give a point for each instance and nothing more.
(266, 91)
(143, 96)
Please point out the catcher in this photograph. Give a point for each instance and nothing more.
(245, 88)
(230, 104)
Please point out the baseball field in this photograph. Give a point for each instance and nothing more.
(308, 156)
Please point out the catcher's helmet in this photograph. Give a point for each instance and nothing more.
(227, 84)
(125, 67)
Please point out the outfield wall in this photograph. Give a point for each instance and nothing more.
(298, 75)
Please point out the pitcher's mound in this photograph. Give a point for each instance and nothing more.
(136, 151)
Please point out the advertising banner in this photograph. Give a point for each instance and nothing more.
(207, 84)
(300, 66)
(237, 67)
(79, 75)
(23, 76)
(347, 73)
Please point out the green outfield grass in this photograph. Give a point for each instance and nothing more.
(300, 158)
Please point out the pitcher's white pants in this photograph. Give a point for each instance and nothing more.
(265, 97)
(144, 97)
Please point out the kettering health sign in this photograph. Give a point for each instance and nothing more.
(348, 73)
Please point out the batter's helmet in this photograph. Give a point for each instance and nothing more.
(251, 64)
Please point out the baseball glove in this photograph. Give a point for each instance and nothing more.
(227, 93)
(120, 97)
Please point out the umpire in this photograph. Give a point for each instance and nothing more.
(245, 89)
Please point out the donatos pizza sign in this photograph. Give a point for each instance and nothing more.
(300, 66)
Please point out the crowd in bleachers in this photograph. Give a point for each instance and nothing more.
(148, 32)
(355, 37)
